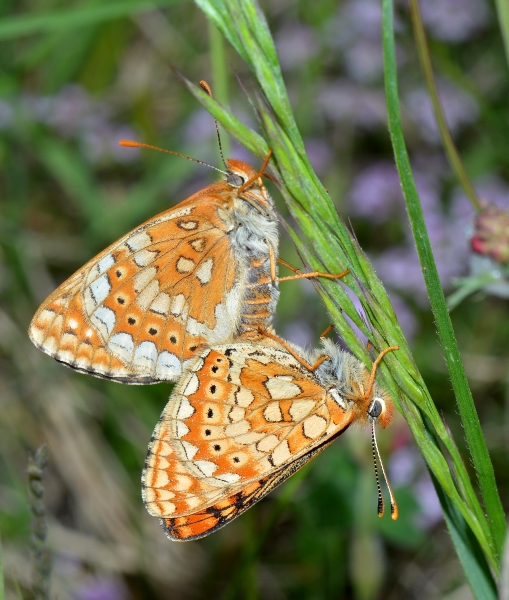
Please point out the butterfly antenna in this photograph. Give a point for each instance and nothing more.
(394, 504)
(375, 366)
(131, 144)
(205, 86)
(381, 506)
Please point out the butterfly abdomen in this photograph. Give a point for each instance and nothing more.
(260, 296)
(253, 238)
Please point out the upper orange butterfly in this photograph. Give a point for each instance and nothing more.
(201, 272)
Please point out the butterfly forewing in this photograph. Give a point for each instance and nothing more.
(241, 413)
(144, 305)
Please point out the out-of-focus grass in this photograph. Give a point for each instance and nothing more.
(67, 192)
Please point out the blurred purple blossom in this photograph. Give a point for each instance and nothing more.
(102, 588)
(342, 100)
(199, 127)
(375, 193)
(407, 468)
(6, 117)
(426, 496)
(404, 462)
(363, 60)
(320, 154)
(460, 109)
(455, 20)
(300, 333)
(295, 44)
(356, 32)
(73, 114)
(356, 18)
(101, 143)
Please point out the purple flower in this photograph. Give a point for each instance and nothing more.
(295, 45)
(300, 333)
(344, 101)
(460, 109)
(6, 116)
(455, 20)
(319, 154)
(426, 496)
(376, 193)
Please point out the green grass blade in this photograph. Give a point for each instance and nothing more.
(468, 413)
(503, 17)
(477, 570)
(22, 25)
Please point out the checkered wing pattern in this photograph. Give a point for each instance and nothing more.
(236, 423)
(198, 273)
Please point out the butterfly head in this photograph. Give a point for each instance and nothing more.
(248, 184)
(349, 384)
(380, 410)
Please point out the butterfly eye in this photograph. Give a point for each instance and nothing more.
(234, 180)
(376, 408)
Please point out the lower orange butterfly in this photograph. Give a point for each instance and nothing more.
(246, 416)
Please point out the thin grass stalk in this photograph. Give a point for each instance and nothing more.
(326, 243)
(470, 421)
(503, 17)
(219, 75)
(427, 70)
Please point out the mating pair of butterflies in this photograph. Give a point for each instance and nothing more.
(189, 295)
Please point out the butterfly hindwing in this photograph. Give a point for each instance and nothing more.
(205, 522)
(240, 414)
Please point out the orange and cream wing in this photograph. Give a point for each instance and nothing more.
(240, 414)
(143, 306)
(212, 518)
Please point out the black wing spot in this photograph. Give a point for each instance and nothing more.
(173, 339)
(207, 432)
(213, 389)
(121, 300)
(217, 447)
(131, 321)
(118, 273)
(192, 348)
(236, 459)
(152, 331)
(210, 413)
(215, 368)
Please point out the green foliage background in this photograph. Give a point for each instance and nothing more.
(67, 192)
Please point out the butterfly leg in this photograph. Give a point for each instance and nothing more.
(328, 330)
(246, 185)
(299, 274)
(295, 354)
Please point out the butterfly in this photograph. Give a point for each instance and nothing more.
(203, 272)
(243, 418)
